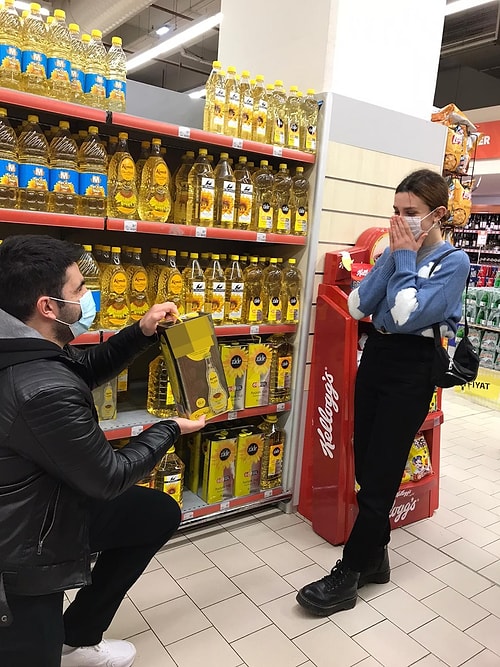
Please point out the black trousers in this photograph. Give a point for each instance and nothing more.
(127, 531)
(392, 397)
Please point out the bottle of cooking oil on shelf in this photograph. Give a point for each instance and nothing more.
(216, 119)
(282, 201)
(243, 200)
(170, 283)
(225, 191)
(182, 260)
(64, 182)
(217, 395)
(104, 257)
(139, 165)
(263, 212)
(92, 160)
(77, 80)
(116, 82)
(281, 369)
(137, 279)
(154, 195)
(59, 51)
(182, 188)
(115, 311)
(90, 271)
(246, 106)
(271, 281)
(10, 43)
(309, 123)
(201, 192)
(300, 202)
(96, 71)
(194, 284)
(154, 270)
(272, 455)
(160, 401)
(253, 297)
(33, 167)
(126, 257)
(260, 110)
(170, 475)
(122, 190)
(294, 120)
(235, 291)
(216, 290)
(210, 95)
(291, 286)
(231, 104)
(34, 48)
(277, 115)
(9, 167)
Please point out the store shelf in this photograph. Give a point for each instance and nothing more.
(481, 326)
(157, 127)
(15, 216)
(36, 103)
(428, 480)
(132, 422)
(194, 509)
(482, 250)
(432, 420)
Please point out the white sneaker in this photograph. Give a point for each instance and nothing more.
(108, 653)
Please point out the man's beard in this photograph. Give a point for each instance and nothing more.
(62, 333)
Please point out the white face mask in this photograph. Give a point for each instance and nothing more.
(88, 313)
(415, 223)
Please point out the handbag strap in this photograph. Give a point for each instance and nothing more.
(435, 327)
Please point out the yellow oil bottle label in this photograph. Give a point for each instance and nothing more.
(175, 284)
(265, 222)
(219, 102)
(236, 301)
(246, 114)
(279, 132)
(228, 195)
(275, 465)
(218, 301)
(284, 372)
(255, 310)
(195, 300)
(300, 222)
(126, 169)
(117, 314)
(233, 109)
(284, 219)
(311, 138)
(244, 212)
(140, 281)
(118, 283)
(293, 135)
(159, 205)
(274, 314)
(160, 174)
(292, 310)
(138, 308)
(260, 119)
(207, 199)
(172, 484)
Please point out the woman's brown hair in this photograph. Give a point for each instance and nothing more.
(429, 186)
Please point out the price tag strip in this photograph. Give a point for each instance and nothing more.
(201, 232)
(130, 225)
(184, 132)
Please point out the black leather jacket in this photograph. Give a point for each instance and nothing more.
(54, 456)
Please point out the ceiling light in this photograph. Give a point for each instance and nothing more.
(172, 44)
(463, 5)
(162, 30)
(26, 5)
(197, 94)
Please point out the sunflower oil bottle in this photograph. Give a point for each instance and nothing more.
(90, 271)
(231, 104)
(34, 47)
(170, 283)
(277, 115)
(300, 202)
(9, 167)
(272, 456)
(112, 146)
(263, 212)
(253, 297)
(210, 95)
(216, 120)
(59, 52)
(137, 279)
(170, 475)
(96, 71)
(271, 282)
(154, 194)
(93, 189)
(282, 194)
(116, 82)
(182, 260)
(310, 122)
(139, 165)
(122, 190)
(104, 257)
(201, 192)
(194, 284)
(126, 256)
(115, 311)
(281, 369)
(294, 121)
(182, 188)
(10, 46)
(225, 191)
(260, 110)
(160, 402)
(216, 290)
(33, 167)
(243, 200)
(246, 107)
(290, 295)
(235, 291)
(77, 77)
(63, 181)
(154, 270)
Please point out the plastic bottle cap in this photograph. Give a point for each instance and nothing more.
(123, 135)
(203, 151)
(264, 163)
(273, 260)
(116, 249)
(155, 142)
(184, 253)
(50, 20)
(86, 37)
(231, 69)
(271, 418)
(171, 253)
(259, 77)
(59, 14)
(299, 170)
(292, 260)
(283, 165)
(64, 125)
(117, 41)
(245, 73)
(3, 112)
(224, 156)
(310, 91)
(137, 250)
(214, 256)
(193, 255)
(190, 153)
(254, 260)
(87, 248)
(294, 89)
(269, 86)
(216, 64)
(96, 34)
(113, 140)
(243, 159)
(35, 7)
(145, 144)
(32, 119)
(299, 94)
(235, 258)
(162, 251)
(74, 27)
(278, 82)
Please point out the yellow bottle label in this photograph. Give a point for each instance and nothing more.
(292, 310)
(265, 222)
(311, 138)
(244, 212)
(219, 102)
(218, 301)
(159, 206)
(293, 135)
(236, 301)
(228, 195)
(246, 114)
(284, 219)
(175, 284)
(279, 132)
(260, 119)
(284, 372)
(275, 464)
(233, 109)
(140, 281)
(207, 199)
(117, 314)
(255, 310)
(195, 301)
(300, 223)
(172, 484)
(160, 174)
(126, 169)
(274, 310)
(118, 282)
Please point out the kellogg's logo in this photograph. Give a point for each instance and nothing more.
(400, 511)
(326, 415)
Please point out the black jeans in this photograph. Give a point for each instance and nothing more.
(127, 531)
(392, 397)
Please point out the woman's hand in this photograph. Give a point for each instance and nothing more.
(157, 313)
(189, 425)
(401, 236)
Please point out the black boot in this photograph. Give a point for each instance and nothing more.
(335, 592)
(377, 571)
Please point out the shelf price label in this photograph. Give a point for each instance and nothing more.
(184, 132)
(254, 329)
(135, 430)
(277, 151)
(187, 515)
(237, 143)
(280, 407)
(261, 237)
(201, 232)
(130, 225)
(268, 493)
(482, 238)
(225, 505)
(232, 415)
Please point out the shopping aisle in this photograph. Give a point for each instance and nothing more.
(224, 595)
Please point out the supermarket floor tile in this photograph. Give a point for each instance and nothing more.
(224, 594)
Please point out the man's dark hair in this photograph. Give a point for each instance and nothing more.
(32, 266)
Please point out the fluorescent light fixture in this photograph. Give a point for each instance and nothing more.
(162, 30)
(197, 94)
(463, 5)
(172, 44)
(26, 5)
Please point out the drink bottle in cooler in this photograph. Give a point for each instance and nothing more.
(93, 179)
(201, 192)
(89, 269)
(210, 95)
(9, 167)
(225, 190)
(34, 48)
(243, 202)
(96, 71)
(154, 193)
(246, 106)
(77, 65)
(282, 192)
(10, 46)
(122, 189)
(116, 82)
(59, 52)
(33, 167)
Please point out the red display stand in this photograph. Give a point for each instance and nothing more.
(327, 490)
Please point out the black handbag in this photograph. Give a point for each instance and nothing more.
(464, 365)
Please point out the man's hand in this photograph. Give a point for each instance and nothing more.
(189, 425)
(401, 237)
(157, 313)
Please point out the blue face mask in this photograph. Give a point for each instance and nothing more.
(87, 317)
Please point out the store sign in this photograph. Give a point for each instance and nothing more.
(488, 147)
(325, 413)
(405, 504)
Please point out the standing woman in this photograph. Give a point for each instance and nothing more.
(393, 384)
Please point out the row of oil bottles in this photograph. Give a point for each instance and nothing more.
(233, 293)
(249, 109)
(52, 59)
(220, 464)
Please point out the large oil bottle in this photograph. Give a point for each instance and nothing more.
(277, 115)
(10, 46)
(272, 287)
(201, 192)
(122, 190)
(216, 290)
(90, 271)
(231, 104)
(300, 202)
(281, 369)
(115, 311)
(210, 95)
(246, 106)
(194, 285)
(294, 120)
(310, 122)
(154, 270)
(154, 194)
(235, 291)
(216, 119)
(96, 71)
(137, 279)
(9, 167)
(272, 456)
(116, 81)
(243, 201)
(77, 65)
(160, 401)
(260, 110)
(34, 47)
(92, 160)
(291, 286)
(225, 191)
(263, 212)
(33, 167)
(139, 165)
(64, 181)
(182, 188)
(253, 296)
(170, 475)
(282, 194)
(59, 52)
(170, 283)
